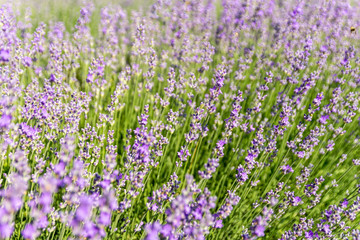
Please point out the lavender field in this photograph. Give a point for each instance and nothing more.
(180, 119)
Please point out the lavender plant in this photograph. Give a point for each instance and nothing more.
(196, 119)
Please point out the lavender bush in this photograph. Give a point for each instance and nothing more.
(194, 119)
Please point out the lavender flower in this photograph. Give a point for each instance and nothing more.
(180, 120)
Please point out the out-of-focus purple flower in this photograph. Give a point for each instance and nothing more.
(104, 218)
(153, 231)
(85, 208)
(218, 224)
(5, 121)
(90, 230)
(30, 132)
(323, 119)
(6, 230)
(226, 209)
(344, 203)
(330, 145)
(260, 222)
(287, 169)
(166, 230)
(301, 154)
(317, 100)
(309, 235)
(4, 55)
(59, 168)
(242, 174)
(326, 229)
(30, 232)
(45, 200)
(296, 201)
(27, 61)
(42, 222)
(183, 154)
(259, 231)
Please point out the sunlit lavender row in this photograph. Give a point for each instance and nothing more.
(190, 119)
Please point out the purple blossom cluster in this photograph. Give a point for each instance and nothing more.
(196, 119)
